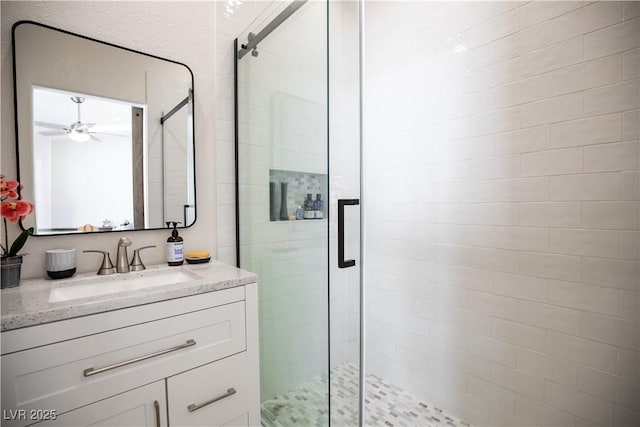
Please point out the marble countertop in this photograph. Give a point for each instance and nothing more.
(28, 304)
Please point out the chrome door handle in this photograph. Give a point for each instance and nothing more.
(156, 406)
(93, 371)
(194, 407)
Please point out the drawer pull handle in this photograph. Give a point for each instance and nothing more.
(92, 371)
(156, 406)
(193, 407)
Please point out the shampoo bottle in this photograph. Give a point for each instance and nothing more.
(175, 254)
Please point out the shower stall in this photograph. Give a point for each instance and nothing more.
(470, 254)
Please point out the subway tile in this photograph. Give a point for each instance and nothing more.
(471, 191)
(542, 413)
(631, 9)
(520, 238)
(522, 189)
(544, 366)
(500, 74)
(494, 259)
(551, 58)
(592, 130)
(629, 305)
(521, 141)
(534, 12)
(492, 393)
(630, 245)
(470, 278)
(612, 387)
(613, 98)
(568, 107)
(595, 243)
(520, 286)
(500, 418)
(550, 317)
(491, 30)
(529, 90)
(614, 39)
(522, 335)
(631, 65)
(552, 266)
(587, 352)
(492, 349)
(622, 415)
(617, 156)
(529, 40)
(584, 297)
(495, 167)
(611, 215)
(612, 273)
(552, 162)
(585, 20)
(598, 186)
(609, 330)
(472, 148)
(503, 120)
(628, 363)
(580, 404)
(518, 381)
(631, 125)
(494, 305)
(555, 214)
(587, 75)
(496, 213)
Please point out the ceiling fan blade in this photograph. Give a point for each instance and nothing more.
(110, 134)
(86, 126)
(51, 125)
(52, 132)
(111, 127)
(95, 138)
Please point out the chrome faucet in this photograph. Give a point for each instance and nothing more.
(122, 258)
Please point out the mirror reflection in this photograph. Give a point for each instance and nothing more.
(105, 134)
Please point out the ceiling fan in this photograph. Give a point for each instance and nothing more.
(78, 131)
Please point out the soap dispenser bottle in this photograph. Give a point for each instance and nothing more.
(175, 253)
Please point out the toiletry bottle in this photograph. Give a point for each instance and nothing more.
(308, 207)
(299, 212)
(318, 207)
(175, 254)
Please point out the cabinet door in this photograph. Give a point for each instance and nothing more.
(140, 407)
(217, 394)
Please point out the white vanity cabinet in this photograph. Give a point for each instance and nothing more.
(139, 366)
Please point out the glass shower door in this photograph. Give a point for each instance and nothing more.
(297, 155)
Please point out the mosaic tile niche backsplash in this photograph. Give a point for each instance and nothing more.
(299, 184)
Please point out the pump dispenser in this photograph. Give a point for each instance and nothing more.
(175, 253)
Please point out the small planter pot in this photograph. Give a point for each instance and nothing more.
(10, 274)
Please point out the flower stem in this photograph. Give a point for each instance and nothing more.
(6, 237)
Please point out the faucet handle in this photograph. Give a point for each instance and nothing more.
(107, 266)
(136, 262)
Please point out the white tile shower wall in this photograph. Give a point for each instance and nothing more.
(503, 187)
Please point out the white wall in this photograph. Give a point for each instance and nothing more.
(503, 192)
(182, 31)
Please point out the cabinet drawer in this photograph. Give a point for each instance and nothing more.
(217, 394)
(73, 373)
(141, 407)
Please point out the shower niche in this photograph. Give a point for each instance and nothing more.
(297, 196)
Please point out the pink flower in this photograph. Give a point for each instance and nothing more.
(8, 189)
(16, 210)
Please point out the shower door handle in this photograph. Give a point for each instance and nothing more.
(342, 263)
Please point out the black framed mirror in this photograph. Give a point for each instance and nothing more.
(104, 134)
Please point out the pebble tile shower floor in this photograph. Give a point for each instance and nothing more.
(386, 404)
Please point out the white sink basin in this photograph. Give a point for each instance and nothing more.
(105, 285)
